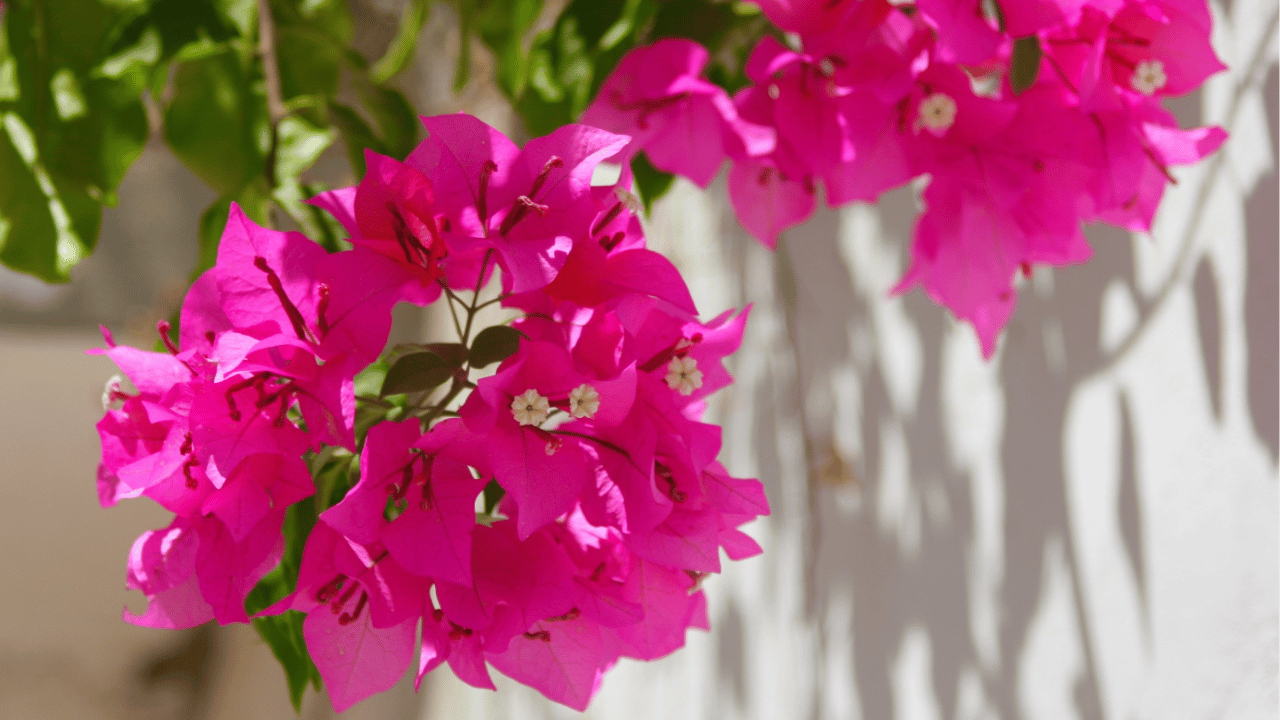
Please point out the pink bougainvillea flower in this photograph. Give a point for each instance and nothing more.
(433, 494)
(772, 193)
(611, 508)
(807, 109)
(516, 583)
(1002, 198)
(525, 206)
(1142, 142)
(967, 34)
(564, 660)
(362, 614)
(162, 567)
(684, 123)
(806, 17)
(194, 570)
(543, 470)
(1150, 48)
(392, 212)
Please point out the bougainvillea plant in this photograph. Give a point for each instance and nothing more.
(538, 496)
(545, 519)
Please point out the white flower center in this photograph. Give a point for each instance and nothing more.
(683, 375)
(1148, 77)
(584, 401)
(112, 394)
(628, 199)
(937, 113)
(774, 91)
(530, 408)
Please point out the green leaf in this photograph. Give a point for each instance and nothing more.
(416, 372)
(568, 62)
(8, 77)
(329, 17)
(299, 519)
(179, 23)
(217, 122)
(333, 480)
(135, 58)
(1025, 65)
(493, 494)
(283, 633)
(369, 381)
(310, 62)
(400, 51)
(395, 117)
(212, 222)
(651, 183)
(503, 25)
(357, 136)
(299, 144)
(70, 131)
(703, 22)
(453, 354)
(494, 344)
(68, 98)
(462, 71)
(42, 233)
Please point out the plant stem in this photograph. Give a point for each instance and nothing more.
(443, 405)
(271, 79)
(475, 295)
(453, 313)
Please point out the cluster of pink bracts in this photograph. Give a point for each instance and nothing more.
(875, 93)
(614, 505)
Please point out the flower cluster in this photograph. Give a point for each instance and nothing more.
(545, 520)
(1030, 117)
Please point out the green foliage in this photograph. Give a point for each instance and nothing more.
(552, 78)
(77, 78)
(400, 51)
(651, 183)
(494, 344)
(72, 90)
(217, 122)
(1025, 64)
(73, 121)
(416, 372)
(283, 633)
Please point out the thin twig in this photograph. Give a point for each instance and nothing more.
(498, 299)
(271, 79)
(457, 325)
(443, 405)
(471, 311)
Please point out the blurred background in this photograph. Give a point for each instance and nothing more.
(1083, 527)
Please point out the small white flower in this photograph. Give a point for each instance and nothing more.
(1148, 77)
(683, 375)
(553, 446)
(530, 408)
(113, 393)
(937, 113)
(584, 401)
